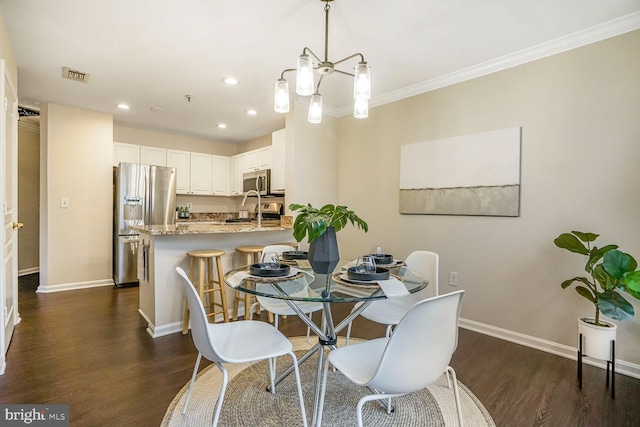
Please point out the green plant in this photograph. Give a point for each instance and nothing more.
(313, 222)
(617, 272)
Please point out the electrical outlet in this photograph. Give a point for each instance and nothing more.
(64, 202)
(453, 278)
(189, 206)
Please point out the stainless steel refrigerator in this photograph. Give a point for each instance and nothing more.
(142, 195)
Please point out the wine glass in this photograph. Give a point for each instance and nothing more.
(378, 251)
(366, 264)
(271, 260)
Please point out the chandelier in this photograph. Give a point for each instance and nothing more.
(305, 85)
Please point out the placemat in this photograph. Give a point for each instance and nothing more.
(368, 285)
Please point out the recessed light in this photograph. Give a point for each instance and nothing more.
(123, 106)
(221, 126)
(251, 112)
(229, 81)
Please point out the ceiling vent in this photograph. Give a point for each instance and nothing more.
(75, 75)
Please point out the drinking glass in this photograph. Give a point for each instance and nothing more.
(366, 264)
(379, 250)
(271, 260)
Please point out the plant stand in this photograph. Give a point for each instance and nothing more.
(610, 363)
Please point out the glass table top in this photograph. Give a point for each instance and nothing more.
(306, 285)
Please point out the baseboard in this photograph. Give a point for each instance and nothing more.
(44, 289)
(27, 271)
(161, 331)
(622, 367)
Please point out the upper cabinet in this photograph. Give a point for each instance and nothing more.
(126, 153)
(257, 159)
(236, 169)
(264, 158)
(209, 174)
(250, 161)
(133, 153)
(278, 141)
(220, 175)
(181, 160)
(201, 174)
(153, 156)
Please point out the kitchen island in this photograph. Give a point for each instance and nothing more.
(163, 248)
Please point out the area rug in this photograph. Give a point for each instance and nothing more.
(247, 403)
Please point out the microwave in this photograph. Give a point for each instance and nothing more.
(259, 181)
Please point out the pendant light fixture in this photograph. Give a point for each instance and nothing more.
(305, 85)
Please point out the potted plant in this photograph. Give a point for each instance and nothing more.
(610, 273)
(320, 226)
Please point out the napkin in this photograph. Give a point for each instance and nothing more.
(303, 263)
(393, 287)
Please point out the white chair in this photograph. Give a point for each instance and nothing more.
(236, 342)
(413, 358)
(279, 307)
(390, 311)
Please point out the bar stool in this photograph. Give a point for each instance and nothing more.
(252, 254)
(294, 245)
(199, 260)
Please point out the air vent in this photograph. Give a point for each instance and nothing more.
(75, 75)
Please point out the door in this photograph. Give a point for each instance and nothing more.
(9, 199)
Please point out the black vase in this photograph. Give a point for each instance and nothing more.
(323, 252)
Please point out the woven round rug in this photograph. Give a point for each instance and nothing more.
(247, 403)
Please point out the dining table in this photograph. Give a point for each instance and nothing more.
(302, 285)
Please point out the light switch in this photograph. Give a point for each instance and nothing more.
(64, 202)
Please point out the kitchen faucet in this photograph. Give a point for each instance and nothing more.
(259, 205)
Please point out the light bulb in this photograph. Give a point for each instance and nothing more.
(304, 76)
(281, 99)
(362, 81)
(315, 109)
(361, 109)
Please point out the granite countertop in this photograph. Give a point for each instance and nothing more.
(199, 228)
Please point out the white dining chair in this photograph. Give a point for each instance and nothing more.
(415, 356)
(390, 311)
(279, 307)
(242, 341)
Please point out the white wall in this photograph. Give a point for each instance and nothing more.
(311, 153)
(75, 162)
(6, 53)
(28, 194)
(580, 149)
(176, 142)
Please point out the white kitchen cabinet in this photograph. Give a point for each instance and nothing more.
(181, 160)
(264, 158)
(153, 156)
(251, 161)
(201, 174)
(257, 159)
(126, 153)
(220, 175)
(278, 140)
(236, 169)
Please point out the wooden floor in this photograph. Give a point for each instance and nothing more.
(89, 349)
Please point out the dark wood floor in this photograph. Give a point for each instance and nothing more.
(89, 349)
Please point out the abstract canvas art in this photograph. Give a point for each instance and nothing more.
(476, 174)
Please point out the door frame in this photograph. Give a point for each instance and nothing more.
(9, 237)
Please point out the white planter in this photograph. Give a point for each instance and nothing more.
(596, 340)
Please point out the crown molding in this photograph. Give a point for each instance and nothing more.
(575, 40)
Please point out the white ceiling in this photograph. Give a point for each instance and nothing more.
(151, 53)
